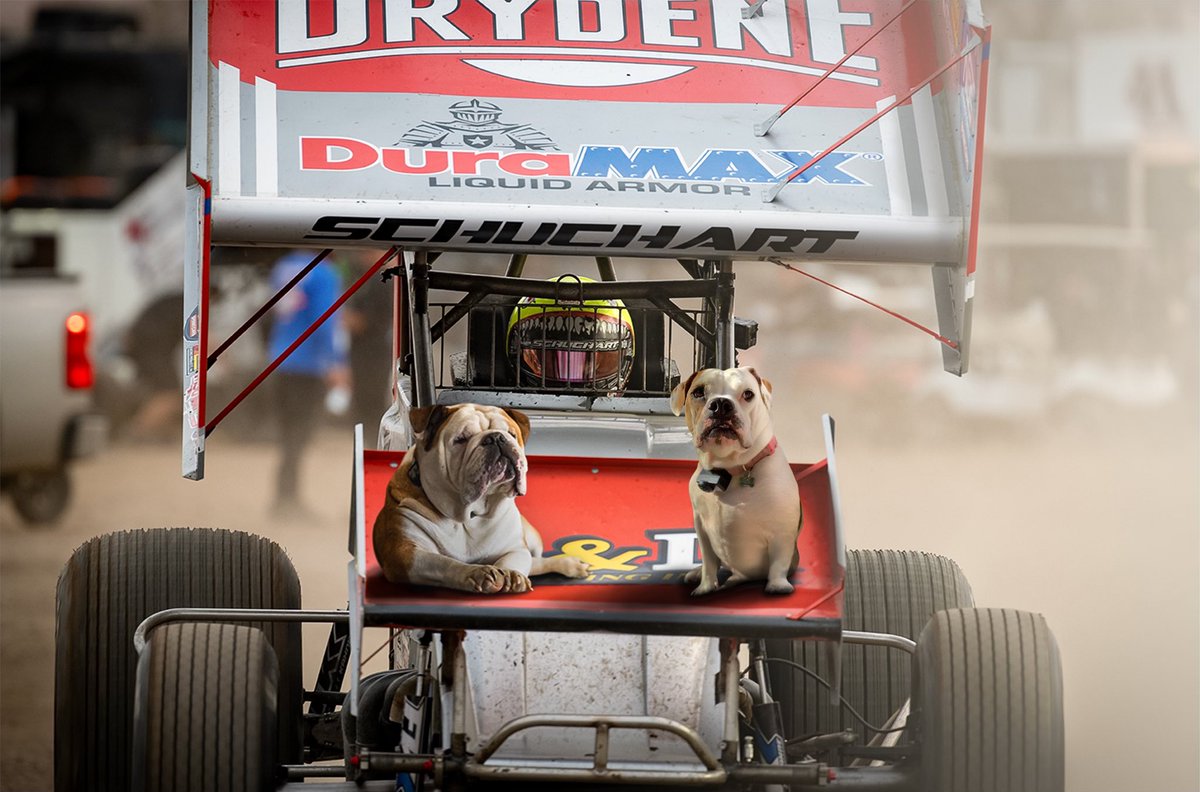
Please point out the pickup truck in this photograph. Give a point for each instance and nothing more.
(46, 417)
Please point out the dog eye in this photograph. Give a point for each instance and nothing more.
(462, 438)
(747, 394)
(698, 392)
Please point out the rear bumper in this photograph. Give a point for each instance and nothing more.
(87, 435)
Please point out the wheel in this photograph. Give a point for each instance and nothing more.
(41, 498)
(988, 707)
(206, 716)
(888, 591)
(107, 588)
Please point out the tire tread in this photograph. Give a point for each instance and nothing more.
(207, 748)
(107, 587)
(988, 702)
(893, 591)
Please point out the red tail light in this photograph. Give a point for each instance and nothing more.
(80, 373)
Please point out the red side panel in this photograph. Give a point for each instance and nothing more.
(632, 521)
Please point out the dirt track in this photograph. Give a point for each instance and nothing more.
(1092, 522)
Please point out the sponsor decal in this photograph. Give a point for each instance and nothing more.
(612, 50)
(480, 151)
(191, 326)
(191, 359)
(667, 556)
(450, 232)
(474, 124)
(191, 404)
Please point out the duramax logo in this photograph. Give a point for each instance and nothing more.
(480, 154)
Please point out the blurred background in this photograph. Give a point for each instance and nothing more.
(1061, 473)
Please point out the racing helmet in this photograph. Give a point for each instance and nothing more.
(571, 343)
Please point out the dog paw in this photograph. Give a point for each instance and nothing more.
(483, 579)
(692, 577)
(569, 566)
(704, 588)
(515, 582)
(779, 587)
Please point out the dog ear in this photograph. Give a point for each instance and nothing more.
(426, 421)
(679, 393)
(764, 385)
(522, 422)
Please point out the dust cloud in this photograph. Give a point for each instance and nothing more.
(1061, 473)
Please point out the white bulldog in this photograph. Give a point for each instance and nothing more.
(450, 519)
(745, 503)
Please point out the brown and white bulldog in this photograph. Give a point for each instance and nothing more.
(450, 519)
(745, 503)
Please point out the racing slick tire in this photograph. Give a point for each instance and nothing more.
(206, 710)
(113, 582)
(887, 591)
(988, 703)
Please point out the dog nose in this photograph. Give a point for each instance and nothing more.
(720, 407)
(489, 439)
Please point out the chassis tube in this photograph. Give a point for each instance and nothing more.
(231, 615)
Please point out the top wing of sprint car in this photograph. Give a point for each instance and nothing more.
(716, 129)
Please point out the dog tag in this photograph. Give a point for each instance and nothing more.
(716, 479)
(746, 480)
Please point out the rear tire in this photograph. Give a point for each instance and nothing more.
(206, 715)
(988, 704)
(887, 591)
(107, 588)
(41, 498)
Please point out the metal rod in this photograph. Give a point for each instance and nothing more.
(605, 266)
(231, 615)
(456, 313)
(638, 722)
(684, 320)
(400, 337)
(729, 665)
(619, 290)
(600, 757)
(770, 194)
(798, 775)
(422, 343)
(458, 686)
(760, 671)
(764, 127)
(691, 267)
(868, 779)
(211, 425)
(268, 305)
(880, 639)
(723, 324)
(398, 763)
(894, 314)
(566, 775)
(301, 772)
(516, 265)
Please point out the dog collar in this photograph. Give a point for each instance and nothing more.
(719, 478)
(768, 449)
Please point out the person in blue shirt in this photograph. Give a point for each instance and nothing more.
(316, 368)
